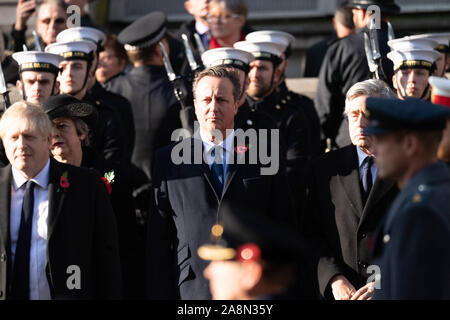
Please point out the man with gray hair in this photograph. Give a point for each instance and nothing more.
(58, 234)
(344, 208)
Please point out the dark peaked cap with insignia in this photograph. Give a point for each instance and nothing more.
(389, 115)
(245, 236)
(144, 32)
(65, 106)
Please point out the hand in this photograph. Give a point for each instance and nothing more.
(24, 10)
(364, 293)
(342, 288)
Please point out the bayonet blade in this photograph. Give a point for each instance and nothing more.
(369, 56)
(391, 34)
(189, 55)
(36, 41)
(3, 88)
(201, 48)
(170, 73)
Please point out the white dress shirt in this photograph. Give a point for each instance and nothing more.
(361, 157)
(201, 28)
(39, 288)
(227, 146)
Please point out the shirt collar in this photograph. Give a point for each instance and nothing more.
(361, 156)
(227, 144)
(200, 27)
(40, 179)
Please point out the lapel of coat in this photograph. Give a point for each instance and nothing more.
(379, 190)
(349, 179)
(238, 154)
(56, 195)
(199, 163)
(5, 203)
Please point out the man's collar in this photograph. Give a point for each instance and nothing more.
(361, 156)
(227, 144)
(41, 178)
(200, 27)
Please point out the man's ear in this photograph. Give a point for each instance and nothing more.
(19, 85)
(56, 89)
(277, 74)
(394, 82)
(410, 144)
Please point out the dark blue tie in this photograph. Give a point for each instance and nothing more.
(205, 39)
(21, 272)
(366, 179)
(217, 169)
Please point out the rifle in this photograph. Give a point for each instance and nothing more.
(186, 112)
(3, 89)
(373, 55)
(37, 43)
(201, 48)
(195, 67)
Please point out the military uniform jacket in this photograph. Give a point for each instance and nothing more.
(185, 207)
(250, 118)
(155, 111)
(122, 108)
(411, 247)
(340, 225)
(294, 139)
(307, 105)
(345, 64)
(107, 137)
(81, 231)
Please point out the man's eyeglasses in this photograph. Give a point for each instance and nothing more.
(224, 19)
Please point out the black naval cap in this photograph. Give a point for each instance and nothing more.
(144, 32)
(389, 115)
(386, 6)
(244, 236)
(65, 106)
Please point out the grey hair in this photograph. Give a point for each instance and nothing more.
(370, 88)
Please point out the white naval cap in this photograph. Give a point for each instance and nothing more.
(442, 38)
(37, 61)
(262, 50)
(227, 56)
(283, 38)
(440, 93)
(73, 50)
(407, 43)
(82, 33)
(413, 58)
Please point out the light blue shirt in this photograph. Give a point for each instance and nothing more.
(361, 157)
(39, 288)
(226, 145)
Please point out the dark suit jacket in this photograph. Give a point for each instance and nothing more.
(186, 206)
(411, 246)
(338, 222)
(81, 231)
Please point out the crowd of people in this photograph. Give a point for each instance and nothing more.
(152, 165)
